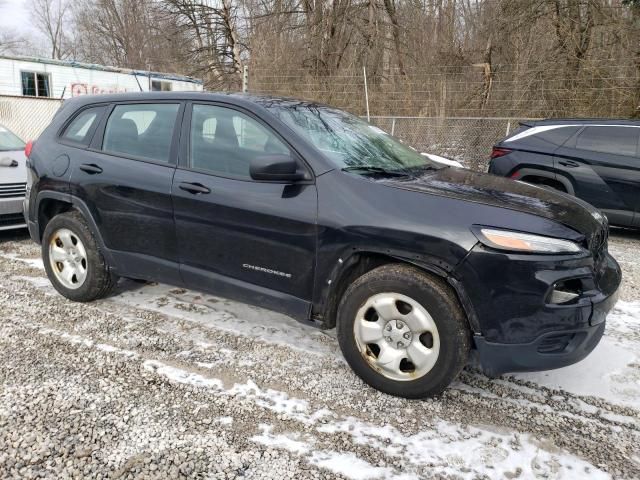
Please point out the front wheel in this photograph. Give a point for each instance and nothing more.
(403, 331)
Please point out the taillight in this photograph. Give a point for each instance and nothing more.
(499, 152)
(27, 148)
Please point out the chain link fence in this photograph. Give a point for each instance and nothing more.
(466, 139)
(27, 117)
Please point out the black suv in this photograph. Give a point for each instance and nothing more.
(312, 212)
(595, 160)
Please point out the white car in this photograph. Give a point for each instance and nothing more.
(13, 180)
(443, 160)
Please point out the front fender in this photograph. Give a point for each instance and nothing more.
(338, 269)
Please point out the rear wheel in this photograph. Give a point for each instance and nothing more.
(403, 332)
(72, 260)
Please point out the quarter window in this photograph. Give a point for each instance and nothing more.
(615, 140)
(141, 130)
(224, 141)
(35, 84)
(80, 128)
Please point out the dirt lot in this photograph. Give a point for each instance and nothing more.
(161, 382)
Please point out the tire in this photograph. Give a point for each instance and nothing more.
(72, 259)
(418, 316)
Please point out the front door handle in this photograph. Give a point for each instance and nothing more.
(194, 188)
(569, 163)
(91, 168)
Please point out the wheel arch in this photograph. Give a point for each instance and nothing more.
(552, 176)
(50, 204)
(360, 262)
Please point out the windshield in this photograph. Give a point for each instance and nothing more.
(349, 142)
(8, 141)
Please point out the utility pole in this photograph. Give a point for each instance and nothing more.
(366, 92)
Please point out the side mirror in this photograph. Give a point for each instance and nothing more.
(275, 167)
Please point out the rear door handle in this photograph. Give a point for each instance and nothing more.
(194, 188)
(569, 163)
(91, 168)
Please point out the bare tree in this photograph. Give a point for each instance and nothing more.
(51, 18)
(213, 44)
(428, 57)
(10, 42)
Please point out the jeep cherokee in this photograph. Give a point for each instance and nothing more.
(310, 211)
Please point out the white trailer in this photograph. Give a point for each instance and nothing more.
(38, 77)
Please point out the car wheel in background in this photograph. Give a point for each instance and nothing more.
(403, 331)
(73, 261)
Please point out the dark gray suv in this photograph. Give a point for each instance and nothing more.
(596, 160)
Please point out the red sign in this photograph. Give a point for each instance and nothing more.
(78, 89)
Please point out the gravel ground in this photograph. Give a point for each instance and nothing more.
(161, 382)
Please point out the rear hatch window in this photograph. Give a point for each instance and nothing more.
(9, 141)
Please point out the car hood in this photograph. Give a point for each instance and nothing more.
(505, 193)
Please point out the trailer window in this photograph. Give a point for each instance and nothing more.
(158, 86)
(36, 84)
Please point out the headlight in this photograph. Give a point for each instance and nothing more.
(524, 242)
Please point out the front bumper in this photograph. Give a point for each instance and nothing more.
(548, 351)
(520, 329)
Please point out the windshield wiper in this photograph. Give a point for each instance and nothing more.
(376, 170)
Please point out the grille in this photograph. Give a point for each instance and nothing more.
(11, 219)
(10, 190)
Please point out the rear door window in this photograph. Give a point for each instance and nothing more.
(141, 130)
(81, 128)
(615, 140)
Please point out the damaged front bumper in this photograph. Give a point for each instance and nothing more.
(537, 312)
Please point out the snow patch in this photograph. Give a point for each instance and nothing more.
(624, 319)
(225, 420)
(32, 262)
(450, 448)
(86, 342)
(181, 376)
(611, 372)
(349, 465)
(288, 442)
(227, 315)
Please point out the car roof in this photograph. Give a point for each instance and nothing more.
(245, 99)
(581, 121)
(251, 102)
